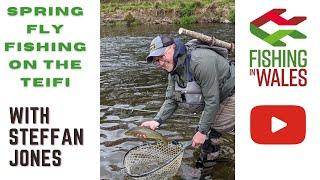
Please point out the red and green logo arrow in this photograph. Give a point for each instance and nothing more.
(275, 38)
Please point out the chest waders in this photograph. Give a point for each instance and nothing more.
(190, 96)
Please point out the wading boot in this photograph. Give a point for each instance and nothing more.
(208, 156)
(210, 150)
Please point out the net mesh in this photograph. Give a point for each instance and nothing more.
(153, 161)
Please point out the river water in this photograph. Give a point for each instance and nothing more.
(131, 92)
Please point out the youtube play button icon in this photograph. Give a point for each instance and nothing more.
(278, 124)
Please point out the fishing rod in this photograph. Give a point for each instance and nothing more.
(149, 111)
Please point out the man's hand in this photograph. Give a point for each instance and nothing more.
(198, 139)
(151, 124)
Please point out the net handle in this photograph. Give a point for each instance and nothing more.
(186, 144)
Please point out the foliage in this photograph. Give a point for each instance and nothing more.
(187, 20)
(157, 5)
(184, 10)
(114, 5)
(187, 12)
(129, 19)
(231, 16)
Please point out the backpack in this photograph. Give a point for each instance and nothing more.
(194, 43)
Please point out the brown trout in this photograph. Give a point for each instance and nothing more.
(149, 134)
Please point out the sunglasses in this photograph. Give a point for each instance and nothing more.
(157, 59)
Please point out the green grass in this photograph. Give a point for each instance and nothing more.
(187, 20)
(173, 5)
(231, 16)
(185, 9)
(112, 7)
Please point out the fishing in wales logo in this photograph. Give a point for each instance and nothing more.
(274, 39)
(278, 66)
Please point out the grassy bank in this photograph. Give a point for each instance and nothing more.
(167, 11)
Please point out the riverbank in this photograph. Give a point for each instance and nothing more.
(166, 12)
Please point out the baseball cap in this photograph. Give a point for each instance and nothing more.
(158, 46)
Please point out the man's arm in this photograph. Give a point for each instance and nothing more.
(169, 105)
(206, 75)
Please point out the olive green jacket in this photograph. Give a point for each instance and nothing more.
(212, 73)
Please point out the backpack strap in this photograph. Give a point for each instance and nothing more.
(194, 44)
(188, 67)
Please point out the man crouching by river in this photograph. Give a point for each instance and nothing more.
(200, 77)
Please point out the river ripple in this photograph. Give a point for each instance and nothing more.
(131, 92)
